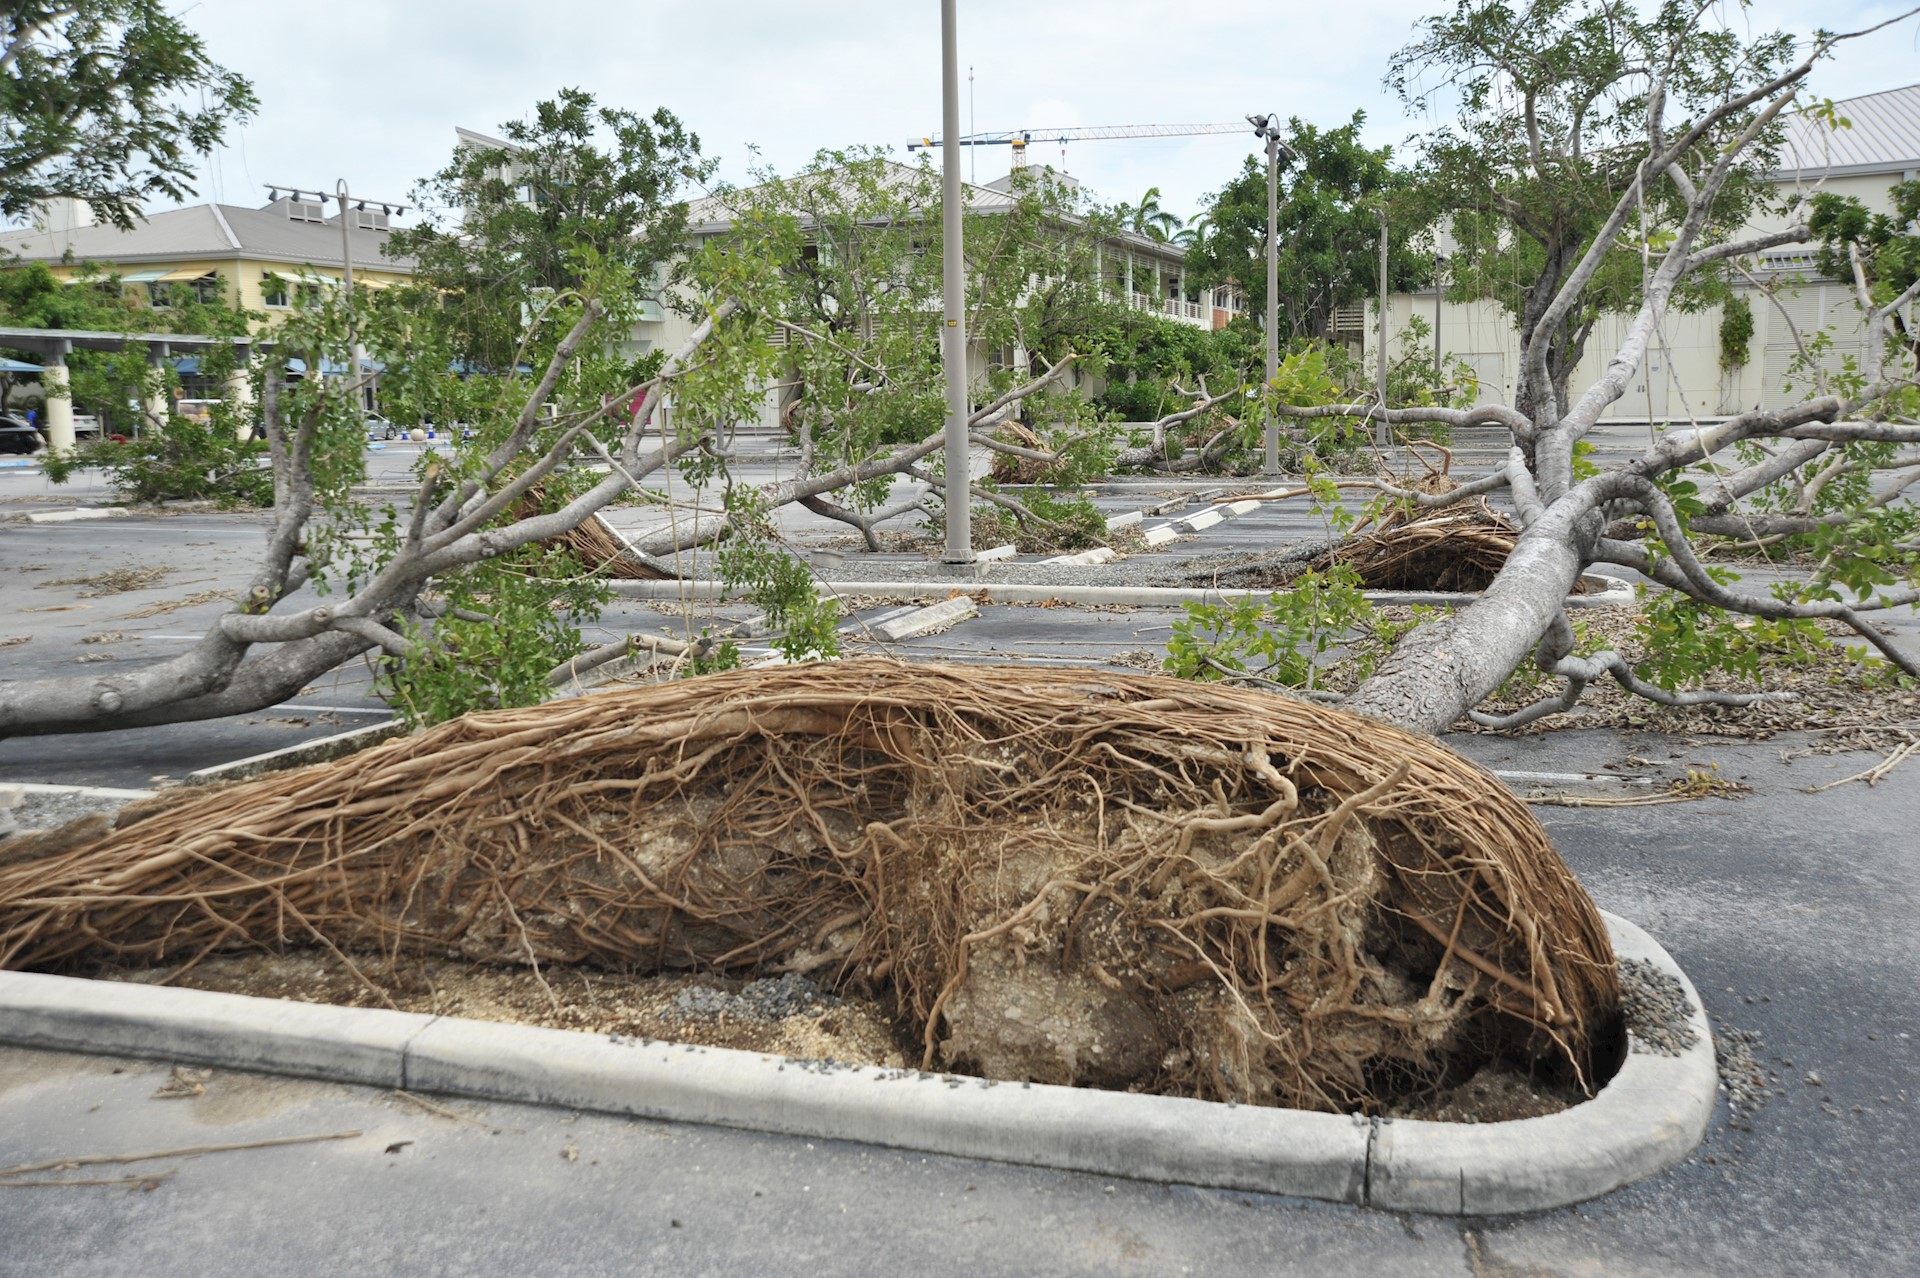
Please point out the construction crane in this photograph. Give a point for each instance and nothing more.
(1020, 139)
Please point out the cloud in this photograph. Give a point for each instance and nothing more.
(371, 89)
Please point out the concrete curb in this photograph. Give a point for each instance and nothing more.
(320, 750)
(84, 791)
(1644, 1120)
(70, 516)
(1612, 592)
(918, 621)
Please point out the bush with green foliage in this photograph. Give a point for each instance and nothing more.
(505, 625)
(1062, 523)
(1282, 640)
(187, 461)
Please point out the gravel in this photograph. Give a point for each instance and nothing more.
(1737, 1054)
(769, 999)
(1659, 1013)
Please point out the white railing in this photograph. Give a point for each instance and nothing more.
(1177, 307)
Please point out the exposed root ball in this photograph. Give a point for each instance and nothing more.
(1010, 469)
(1063, 875)
(599, 549)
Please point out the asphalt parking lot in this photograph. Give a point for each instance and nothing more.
(1793, 912)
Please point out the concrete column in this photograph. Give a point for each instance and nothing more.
(156, 405)
(57, 387)
(240, 395)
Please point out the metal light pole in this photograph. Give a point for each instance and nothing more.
(1380, 433)
(346, 267)
(1439, 265)
(355, 349)
(1268, 127)
(953, 329)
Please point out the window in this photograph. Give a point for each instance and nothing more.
(274, 293)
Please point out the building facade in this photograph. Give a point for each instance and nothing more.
(1681, 379)
(252, 258)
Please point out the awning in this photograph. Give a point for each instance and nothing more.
(305, 277)
(166, 275)
(17, 366)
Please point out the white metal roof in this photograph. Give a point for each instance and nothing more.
(1883, 137)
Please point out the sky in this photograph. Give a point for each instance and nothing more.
(371, 90)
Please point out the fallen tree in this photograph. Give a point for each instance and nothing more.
(1685, 121)
(1057, 875)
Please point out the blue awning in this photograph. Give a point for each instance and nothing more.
(17, 366)
(332, 367)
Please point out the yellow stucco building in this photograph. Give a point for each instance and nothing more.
(219, 248)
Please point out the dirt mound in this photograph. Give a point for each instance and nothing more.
(1062, 875)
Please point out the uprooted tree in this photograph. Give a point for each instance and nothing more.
(1071, 876)
(532, 261)
(822, 283)
(1668, 117)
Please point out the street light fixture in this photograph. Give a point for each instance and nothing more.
(1267, 128)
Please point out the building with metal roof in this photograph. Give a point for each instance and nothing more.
(1860, 149)
(1881, 138)
(251, 257)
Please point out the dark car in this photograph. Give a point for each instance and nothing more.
(16, 436)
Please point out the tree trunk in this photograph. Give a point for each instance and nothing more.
(1446, 667)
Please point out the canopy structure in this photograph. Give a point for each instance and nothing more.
(17, 366)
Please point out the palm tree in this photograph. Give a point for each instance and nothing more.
(1195, 232)
(1152, 221)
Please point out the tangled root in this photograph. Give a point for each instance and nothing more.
(1009, 469)
(1053, 874)
(1449, 550)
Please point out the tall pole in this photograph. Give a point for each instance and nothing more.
(1439, 263)
(1380, 433)
(1272, 466)
(953, 329)
(358, 353)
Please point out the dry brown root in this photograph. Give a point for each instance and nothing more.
(1011, 469)
(596, 545)
(1063, 875)
(1446, 550)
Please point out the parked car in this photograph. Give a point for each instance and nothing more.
(18, 437)
(378, 427)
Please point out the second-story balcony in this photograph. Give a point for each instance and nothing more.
(1179, 308)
